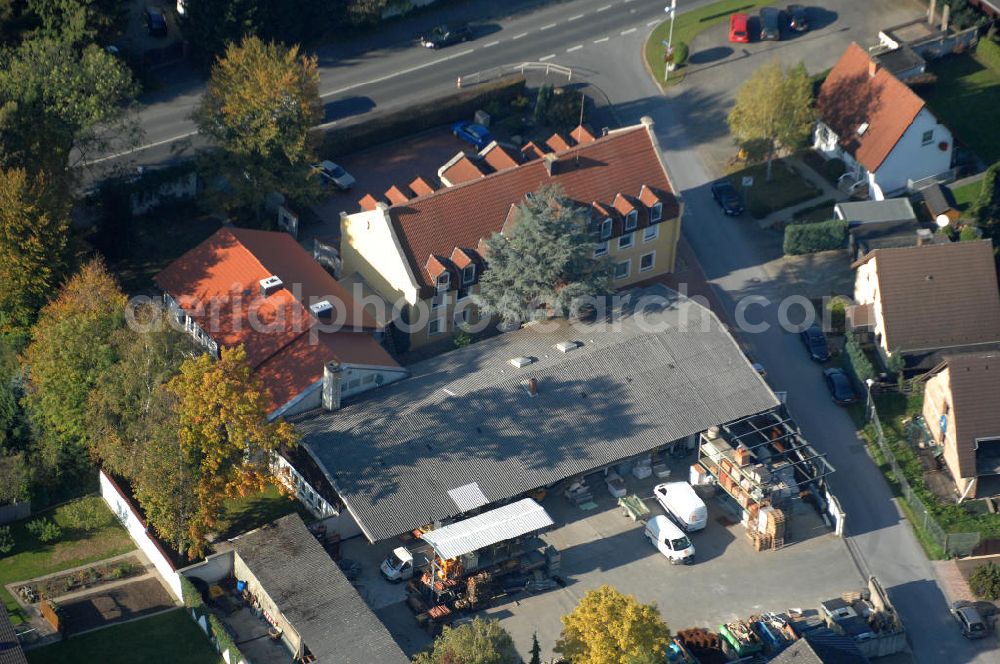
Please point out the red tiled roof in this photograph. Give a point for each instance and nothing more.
(648, 197)
(557, 143)
(623, 161)
(623, 204)
(581, 135)
(461, 170)
(421, 187)
(850, 97)
(395, 195)
(368, 203)
(435, 266)
(461, 258)
(531, 150)
(497, 157)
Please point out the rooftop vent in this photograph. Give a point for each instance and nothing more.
(322, 310)
(521, 362)
(567, 346)
(532, 385)
(270, 285)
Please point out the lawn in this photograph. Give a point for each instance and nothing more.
(102, 538)
(967, 194)
(243, 514)
(687, 25)
(785, 189)
(822, 211)
(966, 97)
(166, 638)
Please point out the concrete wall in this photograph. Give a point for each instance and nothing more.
(913, 159)
(139, 533)
(213, 569)
(343, 524)
(271, 612)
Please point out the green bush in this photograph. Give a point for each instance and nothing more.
(87, 514)
(838, 315)
(222, 638)
(542, 102)
(44, 530)
(985, 582)
(810, 238)
(190, 595)
(6, 540)
(563, 112)
(680, 54)
(857, 361)
(969, 233)
(987, 205)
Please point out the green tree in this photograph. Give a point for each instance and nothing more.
(34, 227)
(78, 21)
(261, 102)
(225, 440)
(56, 100)
(985, 582)
(986, 209)
(774, 109)
(607, 627)
(478, 642)
(544, 261)
(70, 350)
(212, 25)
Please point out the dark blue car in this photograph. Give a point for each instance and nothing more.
(473, 133)
(815, 342)
(839, 385)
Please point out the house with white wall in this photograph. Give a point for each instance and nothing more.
(880, 128)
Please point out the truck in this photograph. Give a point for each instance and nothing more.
(401, 564)
(681, 502)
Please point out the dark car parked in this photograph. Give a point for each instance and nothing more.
(156, 22)
(815, 343)
(446, 35)
(797, 18)
(470, 132)
(727, 197)
(839, 384)
(770, 24)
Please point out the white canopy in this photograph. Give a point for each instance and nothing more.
(504, 523)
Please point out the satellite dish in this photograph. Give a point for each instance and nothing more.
(942, 220)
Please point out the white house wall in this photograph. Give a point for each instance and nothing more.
(369, 246)
(912, 160)
(866, 292)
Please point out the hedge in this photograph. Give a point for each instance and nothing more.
(810, 238)
(380, 128)
(857, 361)
(216, 630)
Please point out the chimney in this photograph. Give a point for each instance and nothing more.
(333, 377)
(532, 385)
(550, 163)
(872, 67)
(945, 16)
(924, 236)
(270, 285)
(931, 12)
(646, 121)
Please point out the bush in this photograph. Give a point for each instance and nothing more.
(810, 238)
(969, 233)
(87, 514)
(44, 530)
(680, 54)
(857, 361)
(838, 315)
(563, 112)
(985, 582)
(6, 540)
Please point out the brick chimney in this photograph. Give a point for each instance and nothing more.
(550, 163)
(333, 377)
(532, 385)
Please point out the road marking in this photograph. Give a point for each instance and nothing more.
(401, 72)
(547, 57)
(653, 22)
(574, 48)
(523, 34)
(628, 32)
(492, 43)
(141, 148)
(601, 40)
(546, 27)
(574, 18)
(604, 8)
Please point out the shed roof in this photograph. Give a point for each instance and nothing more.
(10, 649)
(504, 523)
(874, 212)
(315, 596)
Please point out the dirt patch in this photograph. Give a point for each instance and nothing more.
(106, 607)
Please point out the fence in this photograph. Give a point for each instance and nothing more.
(953, 544)
(944, 177)
(506, 70)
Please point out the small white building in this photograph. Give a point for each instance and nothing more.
(882, 130)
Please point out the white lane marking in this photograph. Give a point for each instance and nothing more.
(547, 57)
(628, 32)
(546, 27)
(401, 72)
(492, 43)
(604, 8)
(523, 34)
(574, 48)
(601, 40)
(574, 18)
(653, 22)
(141, 148)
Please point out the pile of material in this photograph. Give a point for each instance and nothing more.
(705, 646)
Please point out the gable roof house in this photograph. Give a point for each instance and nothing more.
(428, 252)
(960, 409)
(929, 297)
(882, 130)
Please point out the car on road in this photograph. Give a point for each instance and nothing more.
(727, 197)
(815, 342)
(156, 22)
(334, 174)
(739, 28)
(473, 133)
(446, 35)
(839, 384)
(970, 620)
(797, 18)
(770, 24)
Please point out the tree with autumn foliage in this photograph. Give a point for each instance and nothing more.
(261, 102)
(70, 349)
(607, 627)
(34, 232)
(224, 438)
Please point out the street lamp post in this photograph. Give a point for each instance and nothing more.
(669, 54)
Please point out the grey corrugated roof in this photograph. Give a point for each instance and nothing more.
(465, 416)
(498, 525)
(868, 212)
(10, 649)
(822, 646)
(315, 596)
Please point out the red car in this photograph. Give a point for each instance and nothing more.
(739, 29)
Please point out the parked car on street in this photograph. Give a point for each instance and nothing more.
(446, 35)
(156, 22)
(839, 384)
(797, 18)
(727, 197)
(970, 620)
(334, 174)
(739, 28)
(815, 342)
(473, 133)
(770, 24)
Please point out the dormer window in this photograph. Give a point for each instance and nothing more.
(443, 281)
(468, 274)
(655, 213)
(631, 220)
(605, 229)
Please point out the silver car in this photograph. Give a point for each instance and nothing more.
(331, 172)
(970, 620)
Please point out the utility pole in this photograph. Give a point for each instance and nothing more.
(668, 56)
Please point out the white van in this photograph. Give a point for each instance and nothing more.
(681, 502)
(669, 540)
